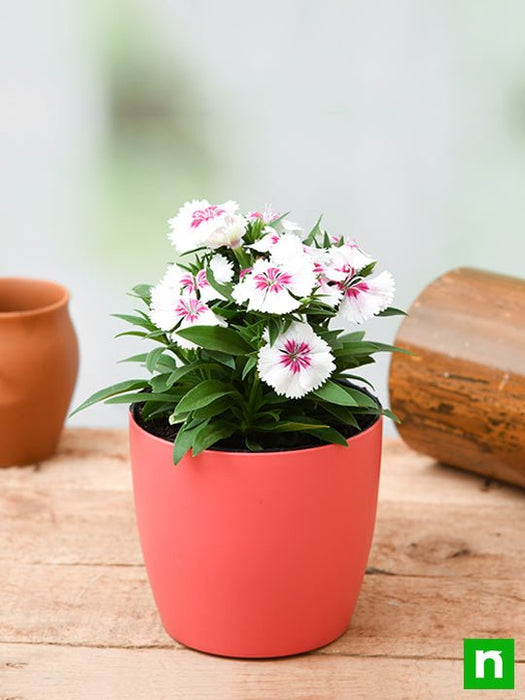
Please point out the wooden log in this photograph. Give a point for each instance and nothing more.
(461, 397)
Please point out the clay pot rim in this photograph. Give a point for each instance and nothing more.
(39, 310)
(376, 424)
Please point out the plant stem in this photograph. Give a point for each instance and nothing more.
(242, 257)
(251, 398)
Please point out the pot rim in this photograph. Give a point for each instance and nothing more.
(254, 455)
(39, 310)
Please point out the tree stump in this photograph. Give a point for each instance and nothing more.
(461, 397)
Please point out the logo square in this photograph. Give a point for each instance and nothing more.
(488, 664)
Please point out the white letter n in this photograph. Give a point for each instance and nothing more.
(482, 656)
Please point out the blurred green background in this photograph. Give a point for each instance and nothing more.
(404, 122)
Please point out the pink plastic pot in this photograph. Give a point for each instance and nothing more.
(256, 554)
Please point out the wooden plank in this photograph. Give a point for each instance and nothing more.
(395, 615)
(86, 458)
(99, 460)
(429, 540)
(410, 477)
(98, 527)
(43, 672)
(94, 526)
(68, 526)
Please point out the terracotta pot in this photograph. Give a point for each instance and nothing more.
(256, 554)
(38, 368)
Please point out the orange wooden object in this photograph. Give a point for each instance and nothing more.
(461, 398)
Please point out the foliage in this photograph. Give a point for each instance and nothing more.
(254, 334)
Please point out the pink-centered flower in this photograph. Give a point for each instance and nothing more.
(267, 215)
(175, 308)
(273, 285)
(298, 362)
(180, 280)
(201, 224)
(345, 261)
(273, 234)
(364, 299)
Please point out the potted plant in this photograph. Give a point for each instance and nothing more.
(255, 448)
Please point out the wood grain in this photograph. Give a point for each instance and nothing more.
(77, 618)
(461, 396)
(115, 674)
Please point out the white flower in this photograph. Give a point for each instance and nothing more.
(346, 261)
(172, 307)
(364, 299)
(328, 292)
(199, 223)
(274, 233)
(272, 236)
(272, 285)
(266, 216)
(266, 242)
(177, 278)
(222, 268)
(287, 226)
(298, 362)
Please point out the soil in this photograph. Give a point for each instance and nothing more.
(161, 428)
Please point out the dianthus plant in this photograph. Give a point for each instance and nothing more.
(256, 334)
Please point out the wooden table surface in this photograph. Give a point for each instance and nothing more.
(77, 619)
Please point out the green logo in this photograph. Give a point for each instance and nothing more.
(488, 663)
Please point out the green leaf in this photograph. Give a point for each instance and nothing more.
(368, 347)
(212, 433)
(275, 415)
(250, 364)
(389, 414)
(153, 357)
(180, 372)
(278, 220)
(185, 438)
(226, 313)
(203, 394)
(343, 414)
(160, 382)
(217, 338)
(356, 335)
(334, 393)
(142, 291)
(221, 357)
(136, 358)
(135, 320)
(144, 397)
(224, 289)
(138, 334)
(392, 311)
(361, 399)
(329, 435)
(103, 394)
(274, 329)
(151, 409)
(311, 237)
(368, 269)
(357, 378)
(291, 426)
(252, 445)
(213, 409)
